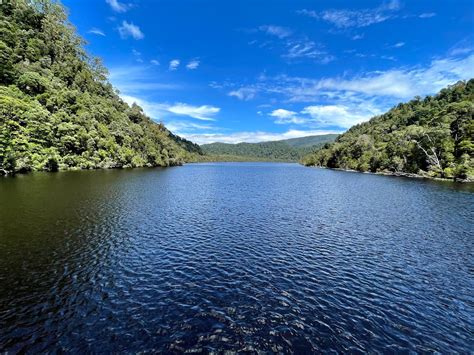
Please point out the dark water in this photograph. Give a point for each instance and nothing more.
(244, 256)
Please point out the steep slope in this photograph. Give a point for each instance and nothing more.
(57, 109)
(432, 137)
(284, 150)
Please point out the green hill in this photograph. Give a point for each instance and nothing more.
(57, 108)
(432, 137)
(285, 150)
(310, 141)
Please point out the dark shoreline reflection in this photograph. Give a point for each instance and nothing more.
(234, 256)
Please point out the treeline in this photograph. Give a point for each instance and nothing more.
(57, 108)
(284, 150)
(431, 137)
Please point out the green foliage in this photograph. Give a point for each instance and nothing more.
(431, 137)
(57, 109)
(284, 150)
(310, 141)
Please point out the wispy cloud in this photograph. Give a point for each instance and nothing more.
(398, 83)
(398, 45)
(357, 37)
(118, 6)
(244, 94)
(204, 112)
(155, 62)
(462, 47)
(193, 64)
(307, 49)
(278, 31)
(309, 13)
(345, 18)
(344, 101)
(127, 30)
(133, 80)
(96, 31)
(174, 64)
(158, 110)
(427, 15)
(295, 47)
(137, 55)
(185, 127)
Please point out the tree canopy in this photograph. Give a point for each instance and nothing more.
(432, 137)
(57, 108)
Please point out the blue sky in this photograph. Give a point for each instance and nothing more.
(254, 70)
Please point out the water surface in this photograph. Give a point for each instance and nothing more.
(235, 256)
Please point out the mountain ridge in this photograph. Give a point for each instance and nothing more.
(291, 149)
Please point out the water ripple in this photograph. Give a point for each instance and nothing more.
(235, 257)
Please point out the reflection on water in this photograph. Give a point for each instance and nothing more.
(234, 256)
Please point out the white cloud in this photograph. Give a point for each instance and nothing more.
(427, 15)
(154, 62)
(461, 50)
(286, 117)
(278, 31)
(398, 45)
(186, 127)
(357, 37)
(158, 110)
(406, 83)
(341, 115)
(204, 112)
(130, 30)
(337, 115)
(309, 13)
(133, 80)
(306, 49)
(344, 101)
(193, 64)
(295, 47)
(174, 64)
(118, 6)
(96, 31)
(398, 83)
(344, 18)
(244, 94)
(253, 137)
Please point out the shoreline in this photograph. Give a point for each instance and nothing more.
(396, 174)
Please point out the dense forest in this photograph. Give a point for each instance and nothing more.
(284, 150)
(432, 137)
(57, 108)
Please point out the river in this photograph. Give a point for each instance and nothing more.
(235, 256)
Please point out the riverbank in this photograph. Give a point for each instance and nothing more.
(397, 174)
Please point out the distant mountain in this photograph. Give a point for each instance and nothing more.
(310, 141)
(431, 136)
(285, 150)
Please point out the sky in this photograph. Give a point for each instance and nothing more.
(255, 70)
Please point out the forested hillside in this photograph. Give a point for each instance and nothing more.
(284, 150)
(310, 141)
(57, 108)
(432, 137)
